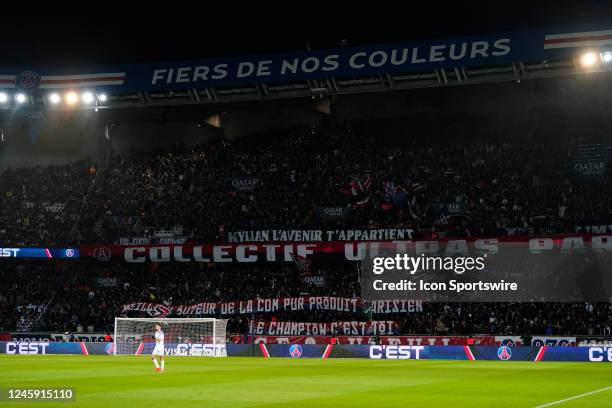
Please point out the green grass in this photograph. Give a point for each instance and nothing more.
(106, 381)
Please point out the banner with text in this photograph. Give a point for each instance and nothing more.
(253, 252)
(338, 304)
(349, 61)
(295, 235)
(592, 160)
(386, 340)
(244, 184)
(332, 213)
(276, 328)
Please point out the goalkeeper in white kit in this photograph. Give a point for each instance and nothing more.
(158, 351)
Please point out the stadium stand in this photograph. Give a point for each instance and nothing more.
(507, 188)
(520, 186)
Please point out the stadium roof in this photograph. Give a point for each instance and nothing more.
(128, 41)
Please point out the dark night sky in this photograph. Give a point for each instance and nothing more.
(178, 29)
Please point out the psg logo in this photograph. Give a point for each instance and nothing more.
(295, 351)
(27, 80)
(504, 353)
(102, 254)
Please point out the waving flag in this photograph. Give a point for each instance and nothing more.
(389, 188)
(302, 263)
(358, 189)
(360, 186)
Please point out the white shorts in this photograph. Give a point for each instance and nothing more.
(158, 350)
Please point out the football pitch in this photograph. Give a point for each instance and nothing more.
(107, 381)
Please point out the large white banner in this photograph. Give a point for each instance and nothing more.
(246, 307)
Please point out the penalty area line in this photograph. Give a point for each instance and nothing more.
(575, 397)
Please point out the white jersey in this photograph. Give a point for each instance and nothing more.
(159, 343)
(159, 338)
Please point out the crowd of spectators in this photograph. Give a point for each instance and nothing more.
(514, 186)
(39, 206)
(87, 298)
(503, 187)
(520, 186)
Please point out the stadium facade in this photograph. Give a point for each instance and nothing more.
(117, 191)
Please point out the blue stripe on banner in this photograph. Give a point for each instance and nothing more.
(50, 253)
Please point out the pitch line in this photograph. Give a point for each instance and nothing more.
(574, 397)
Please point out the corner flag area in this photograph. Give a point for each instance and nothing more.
(104, 381)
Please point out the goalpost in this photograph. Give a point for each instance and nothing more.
(182, 336)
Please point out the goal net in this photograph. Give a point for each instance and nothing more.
(182, 337)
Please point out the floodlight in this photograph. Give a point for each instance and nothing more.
(71, 98)
(588, 59)
(55, 98)
(87, 98)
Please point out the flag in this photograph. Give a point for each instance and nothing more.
(302, 263)
(361, 202)
(389, 188)
(413, 207)
(443, 219)
(399, 196)
(416, 186)
(360, 190)
(411, 198)
(360, 186)
(367, 310)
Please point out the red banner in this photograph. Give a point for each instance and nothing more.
(390, 340)
(351, 251)
(273, 328)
